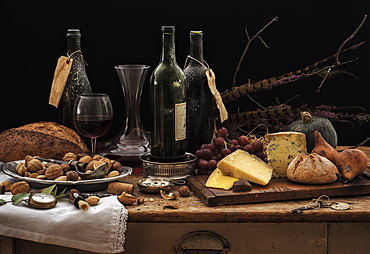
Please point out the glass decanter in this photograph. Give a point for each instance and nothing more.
(132, 141)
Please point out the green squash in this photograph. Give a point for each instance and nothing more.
(309, 124)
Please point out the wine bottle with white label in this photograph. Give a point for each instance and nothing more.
(168, 103)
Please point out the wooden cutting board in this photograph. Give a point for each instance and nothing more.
(278, 189)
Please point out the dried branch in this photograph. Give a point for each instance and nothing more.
(348, 39)
(248, 45)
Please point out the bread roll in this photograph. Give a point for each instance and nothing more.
(311, 169)
(44, 139)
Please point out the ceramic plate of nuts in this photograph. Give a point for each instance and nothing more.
(90, 185)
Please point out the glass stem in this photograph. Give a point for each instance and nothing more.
(93, 146)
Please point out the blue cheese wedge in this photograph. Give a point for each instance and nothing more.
(283, 147)
(240, 164)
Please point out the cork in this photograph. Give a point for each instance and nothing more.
(119, 188)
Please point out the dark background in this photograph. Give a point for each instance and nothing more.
(32, 38)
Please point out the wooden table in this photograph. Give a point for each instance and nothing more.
(248, 228)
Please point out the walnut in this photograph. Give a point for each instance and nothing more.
(97, 157)
(27, 159)
(85, 159)
(21, 168)
(7, 185)
(34, 165)
(54, 171)
(19, 187)
(108, 161)
(126, 198)
(69, 156)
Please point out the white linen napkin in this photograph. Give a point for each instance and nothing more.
(99, 229)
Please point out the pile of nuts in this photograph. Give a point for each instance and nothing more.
(35, 168)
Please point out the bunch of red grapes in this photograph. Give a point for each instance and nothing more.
(210, 154)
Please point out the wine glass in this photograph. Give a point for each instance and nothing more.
(92, 116)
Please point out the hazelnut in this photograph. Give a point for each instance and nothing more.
(72, 176)
(54, 171)
(34, 165)
(85, 159)
(41, 172)
(7, 185)
(66, 167)
(69, 156)
(116, 165)
(19, 187)
(126, 198)
(184, 191)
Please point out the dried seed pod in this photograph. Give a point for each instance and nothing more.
(172, 206)
(19, 187)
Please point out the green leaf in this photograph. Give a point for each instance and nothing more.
(2, 202)
(62, 193)
(17, 198)
(50, 190)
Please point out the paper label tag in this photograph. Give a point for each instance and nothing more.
(61, 73)
(211, 77)
(180, 121)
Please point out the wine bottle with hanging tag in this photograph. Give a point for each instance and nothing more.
(70, 79)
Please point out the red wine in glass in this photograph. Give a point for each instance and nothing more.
(92, 116)
(93, 126)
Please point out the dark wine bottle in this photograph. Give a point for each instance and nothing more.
(168, 105)
(199, 99)
(77, 82)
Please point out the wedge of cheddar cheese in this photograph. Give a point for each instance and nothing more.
(241, 164)
(220, 181)
(283, 147)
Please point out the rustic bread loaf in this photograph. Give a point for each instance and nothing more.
(311, 169)
(44, 139)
